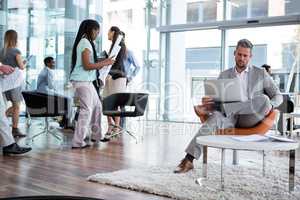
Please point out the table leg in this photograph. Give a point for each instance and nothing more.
(204, 169)
(235, 160)
(222, 168)
(284, 118)
(291, 125)
(264, 163)
(292, 170)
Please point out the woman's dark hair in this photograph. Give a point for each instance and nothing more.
(85, 31)
(117, 70)
(118, 32)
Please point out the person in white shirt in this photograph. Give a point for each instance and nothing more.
(8, 141)
(83, 73)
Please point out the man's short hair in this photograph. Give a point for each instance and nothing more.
(245, 44)
(48, 60)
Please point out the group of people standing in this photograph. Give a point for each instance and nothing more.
(84, 71)
(85, 66)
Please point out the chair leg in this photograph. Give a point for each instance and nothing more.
(235, 158)
(54, 134)
(28, 122)
(36, 135)
(132, 135)
(123, 130)
(222, 169)
(46, 131)
(117, 133)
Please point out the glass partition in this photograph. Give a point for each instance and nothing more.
(191, 11)
(205, 11)
(193, 57)
(241, 9)
(281, 51)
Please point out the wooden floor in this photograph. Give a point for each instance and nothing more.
(53, 168)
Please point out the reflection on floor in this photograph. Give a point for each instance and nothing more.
(54, 168)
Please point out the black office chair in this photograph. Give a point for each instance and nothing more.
(125, 105)
(45, 105)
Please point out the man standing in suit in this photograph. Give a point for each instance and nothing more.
(259, 92)
(8, 141)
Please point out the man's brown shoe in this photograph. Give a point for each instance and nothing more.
(184, 166)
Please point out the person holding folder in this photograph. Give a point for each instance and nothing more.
(116, 80)
(7, 140)
(12, 56)
(83, 73)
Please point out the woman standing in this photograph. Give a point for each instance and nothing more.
(116, 80)
(12, 56)
(83, 73)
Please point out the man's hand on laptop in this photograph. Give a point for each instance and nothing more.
(205, 108)
(208, 103)
(200, 110)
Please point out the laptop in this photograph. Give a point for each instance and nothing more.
(224, 90)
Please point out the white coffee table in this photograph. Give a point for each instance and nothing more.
(226, 142)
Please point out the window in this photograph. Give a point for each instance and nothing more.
(278, 50)
(55, 4)
(153, 17)
(292, 7)
(197, 89)
(46, 28)
(153, 71)
(203, 58)
(202, 11)
(196, 29)
(122, 16)
(289, 55)
(248, 8)
(291, 64)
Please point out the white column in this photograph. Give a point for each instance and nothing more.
(175, 79)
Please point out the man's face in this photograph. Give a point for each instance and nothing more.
(51, 64)
(242, 57)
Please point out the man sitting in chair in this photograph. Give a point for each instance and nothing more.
(45, 84)
(45, 79)
(259, 92)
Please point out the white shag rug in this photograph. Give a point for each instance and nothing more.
(244, 181)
